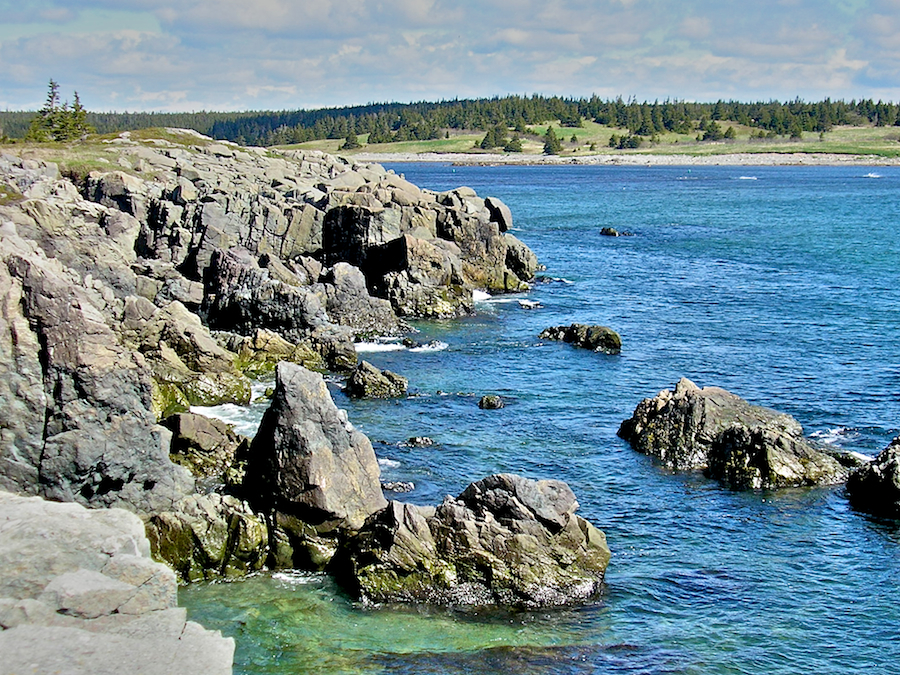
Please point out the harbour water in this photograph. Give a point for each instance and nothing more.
(779, 284)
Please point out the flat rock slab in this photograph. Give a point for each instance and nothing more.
(37, 650)
(79, 593)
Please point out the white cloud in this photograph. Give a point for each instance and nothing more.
(231, 54)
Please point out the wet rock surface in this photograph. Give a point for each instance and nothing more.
(505, 540)
(875, 487)
(741, 445)
(367, 381)
(313, 473)
(595, 338)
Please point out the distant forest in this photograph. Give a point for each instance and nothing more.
(392, 122)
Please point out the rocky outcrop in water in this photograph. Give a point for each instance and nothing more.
(875, 487)
(595, 338)
(505, 540)
(367, 381)
(209, 536)
(313, 474)
(741, 445)
(491, 402)
(79, 594)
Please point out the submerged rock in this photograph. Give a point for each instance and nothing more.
(741, 445)
(875, 487)
(596, 338)
(398, 486)
(310, 470)
(367, 381)
(491, 402)
(505, 540)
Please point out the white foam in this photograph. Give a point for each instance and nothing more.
(835, 436)
(296, 578)
(747, 178)
(362, 347)
(433, 346)
(872, 175)
(390, 463)
(244, 419)
(480, 296)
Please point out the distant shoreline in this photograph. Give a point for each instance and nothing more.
(735, 159)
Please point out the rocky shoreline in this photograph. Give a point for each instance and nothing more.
(168, 277)
(179, 269)
(637, 159)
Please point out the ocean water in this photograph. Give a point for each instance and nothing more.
(777, 283)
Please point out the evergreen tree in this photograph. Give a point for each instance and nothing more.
(552, 144)
(55, 122)
(351, 142)
(495, 137)
(513, 145)
(712, 132)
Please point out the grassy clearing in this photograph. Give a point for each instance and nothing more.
(9, 195)
(592, 139)
(98, 152)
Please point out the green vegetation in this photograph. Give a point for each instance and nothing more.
(351, 142)
(58, 122)
(9, 195)
(552, 144)
(514, 124)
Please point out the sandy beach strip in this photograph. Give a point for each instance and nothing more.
(637, 159)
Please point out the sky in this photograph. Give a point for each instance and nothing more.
(226, 55)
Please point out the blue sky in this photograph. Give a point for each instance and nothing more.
(187, 55)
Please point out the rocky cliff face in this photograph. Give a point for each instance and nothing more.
(111, 282)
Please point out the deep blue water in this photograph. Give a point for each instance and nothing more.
(777, 283)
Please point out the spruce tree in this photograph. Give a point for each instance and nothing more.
(55, 122)
(552, 144)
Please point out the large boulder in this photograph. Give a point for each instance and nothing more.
(596, 338)
(243, 297)
(80, 594)
(741, 445)
(367, 381)
(505, 540)
(875, 487)
(348, 303)
(188, 365)
(208, 537)
(209, 448)
(310, 470)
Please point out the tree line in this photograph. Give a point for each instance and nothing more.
(394, 122)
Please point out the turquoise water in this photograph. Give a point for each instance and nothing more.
(777, 283)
